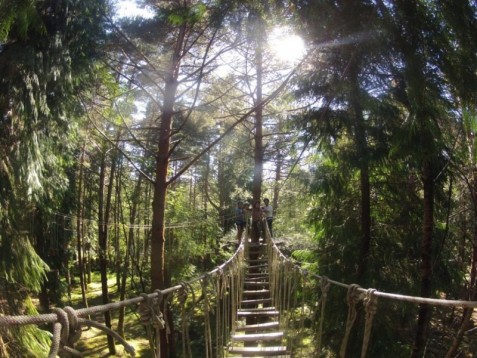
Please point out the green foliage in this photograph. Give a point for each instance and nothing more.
(187, 15)
(19, 262)
(19, 17)
(191, 236)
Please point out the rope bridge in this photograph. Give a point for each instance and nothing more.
(258, 291)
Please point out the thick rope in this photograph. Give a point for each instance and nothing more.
(207, 328)
(67, 322)
(304, 285)
(370, 307)
(152, 317)
(218, 315)
(324, 287)
(61, 331)
(110, 332)
(352, 298)
(55, 343)
(182, 296)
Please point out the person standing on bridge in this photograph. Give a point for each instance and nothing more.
(268, 213)
(240, 219)
(257, 217)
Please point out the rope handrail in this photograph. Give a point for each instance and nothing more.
(52, 317)
(67, 321)
(394, 296)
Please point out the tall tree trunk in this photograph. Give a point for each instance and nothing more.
(472, 292)
(258, 135)
(129, 241)
(224, 210)
(426, 263)
(117, 220)
(79, 228)
(90, 213)
(161, 183)
(41, 249)
(104, 209)
(159, 202)
(363, 165)
(276, 185)
(160, 188)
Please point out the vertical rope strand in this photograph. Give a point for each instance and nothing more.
(370, 307)
(324, 287)
(352, 299)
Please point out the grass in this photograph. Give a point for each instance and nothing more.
(93, 342)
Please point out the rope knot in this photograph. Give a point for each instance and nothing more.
(65, 332)
(352, 298)
(75, 327)
(150, 311)
(205, 280)
(353, 294)
(325, 286)
(65, 325)
(370, 303)
(183, 293)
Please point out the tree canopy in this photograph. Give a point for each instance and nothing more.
(125, 143)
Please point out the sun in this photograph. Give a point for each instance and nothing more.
(286, 46)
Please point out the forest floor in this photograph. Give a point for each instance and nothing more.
(93, 342)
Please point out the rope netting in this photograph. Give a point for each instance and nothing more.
(292, 287)
(214, 294)
(215, 298)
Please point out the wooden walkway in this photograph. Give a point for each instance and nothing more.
(257, 329)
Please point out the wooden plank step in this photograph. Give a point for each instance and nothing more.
(254, 293)
(257, 244)
(258, 326)
(258, 266)
(252, 313)
(256, 283)
(257, 279)
(252, 280)
(254, 261)
(275, 356)
(257, 274)
(270, 336)
(259, 351)
(272, 356)
(257, 250)
(257, 309)
(256, 301)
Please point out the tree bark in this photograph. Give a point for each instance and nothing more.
(426, 263)
(258, 135)
(129, 241)
(160, 188)
(363, 165)
(104, 212)
(160, 184)
(276, 185)
(472, 292)
(79, 229)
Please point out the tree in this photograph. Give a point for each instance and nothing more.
(343, 86)
(47, 51)
(396, 82)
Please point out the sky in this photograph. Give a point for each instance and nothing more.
(286, 46)
(129, 8)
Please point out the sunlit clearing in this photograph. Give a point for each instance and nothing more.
(129, 8)
(286, 46)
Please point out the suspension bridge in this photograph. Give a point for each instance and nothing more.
(253, 305)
